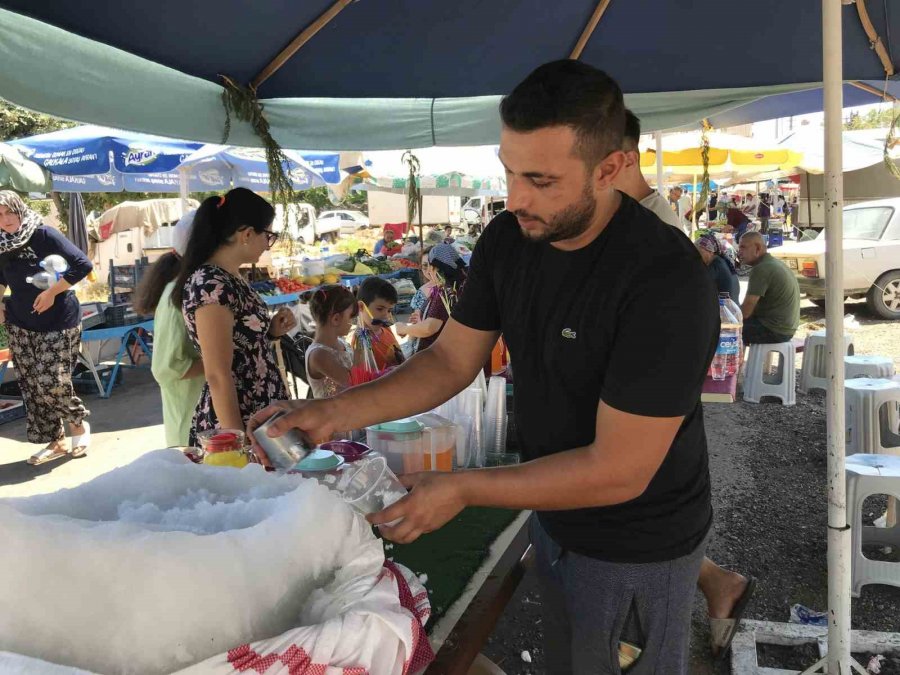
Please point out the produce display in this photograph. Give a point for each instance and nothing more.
(360, 264)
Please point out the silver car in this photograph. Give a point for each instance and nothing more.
(871, 258)
(350, 221)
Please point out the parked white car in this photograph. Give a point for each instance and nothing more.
(349, 221)
(871, 258)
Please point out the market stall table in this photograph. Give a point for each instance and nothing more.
(125, 335)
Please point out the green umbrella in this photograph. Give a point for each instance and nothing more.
(21, 174)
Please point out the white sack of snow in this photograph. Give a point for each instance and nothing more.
(163, 563)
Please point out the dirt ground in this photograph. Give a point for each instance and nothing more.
(769, 492)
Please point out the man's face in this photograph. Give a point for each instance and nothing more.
(388, 236)
(551, 191)
(9, 221)
(750, 251)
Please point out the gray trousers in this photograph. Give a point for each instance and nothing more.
(589, 605)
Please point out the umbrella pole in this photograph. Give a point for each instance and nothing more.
(838, 530)
(808, 201)
(694, 205)
(659, 162)
(183, 189)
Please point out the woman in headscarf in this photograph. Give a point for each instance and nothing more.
(446, 271)
(720, 267)
(44, 326)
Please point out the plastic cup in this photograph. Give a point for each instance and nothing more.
(369, 486)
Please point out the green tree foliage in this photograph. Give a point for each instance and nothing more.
(16, 122)
(318, 199)
(874, 119)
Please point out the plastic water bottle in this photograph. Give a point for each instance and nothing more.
(55, 264)
(725, 362)
(735, 311)
(42, 280)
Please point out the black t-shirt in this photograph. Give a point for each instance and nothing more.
(630, 319)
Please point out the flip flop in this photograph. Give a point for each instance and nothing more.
(82, 442)
(46, 455)
(722, 631)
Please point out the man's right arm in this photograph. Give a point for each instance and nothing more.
(422, 383)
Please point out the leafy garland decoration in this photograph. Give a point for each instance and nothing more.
(413, 194)
(243, 103)
(889, 144)
(703, 200)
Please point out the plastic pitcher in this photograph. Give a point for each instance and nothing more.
(440, 442)
(402, 443)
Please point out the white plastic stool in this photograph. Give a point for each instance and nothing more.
(812, 370)
(869, 429)
(759, 383)
(869, 475)
(878, 367)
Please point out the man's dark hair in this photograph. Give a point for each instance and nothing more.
(632, 131)
(373, 288)
(572, 94)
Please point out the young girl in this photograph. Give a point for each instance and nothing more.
(329, 358)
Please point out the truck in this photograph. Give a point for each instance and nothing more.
(304, 226)
(389, 207)
(481, 210)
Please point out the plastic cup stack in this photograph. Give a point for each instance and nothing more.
(495, 417)
(472, 419)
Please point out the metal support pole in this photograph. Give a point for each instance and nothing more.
(838, 529)
(183, 189)
(659, 162)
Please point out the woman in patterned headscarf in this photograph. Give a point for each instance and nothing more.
(720, 267)
(446, 271)
(44, 326)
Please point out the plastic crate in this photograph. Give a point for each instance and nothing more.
(83, 382)
(11, 408)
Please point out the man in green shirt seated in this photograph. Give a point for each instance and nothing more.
(772, 307)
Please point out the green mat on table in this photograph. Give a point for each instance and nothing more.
(451, 556)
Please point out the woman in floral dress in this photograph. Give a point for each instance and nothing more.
(226, 319)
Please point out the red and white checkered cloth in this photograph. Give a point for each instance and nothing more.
(381, 632)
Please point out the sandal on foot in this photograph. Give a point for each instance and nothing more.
(722, 631)
(48, 454)
(82, 442)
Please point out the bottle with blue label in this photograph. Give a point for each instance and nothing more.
(727, 359)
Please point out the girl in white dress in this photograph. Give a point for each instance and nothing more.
(329, 358)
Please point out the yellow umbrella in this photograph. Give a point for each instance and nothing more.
(730, 156)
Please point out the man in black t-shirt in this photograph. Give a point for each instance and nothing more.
(611, 320)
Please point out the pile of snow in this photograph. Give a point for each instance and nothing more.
(163, 563)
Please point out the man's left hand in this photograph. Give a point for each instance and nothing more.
(44, 301)
(435, 497)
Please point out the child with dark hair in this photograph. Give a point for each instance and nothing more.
(377, 298)
(329, 358)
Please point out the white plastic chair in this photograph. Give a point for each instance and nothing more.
(759, 381)
(815, 357)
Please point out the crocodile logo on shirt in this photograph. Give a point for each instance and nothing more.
(568, 333)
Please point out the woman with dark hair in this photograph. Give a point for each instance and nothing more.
(446, 271)
(44, 326)
(176, 366)
(226, 319)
